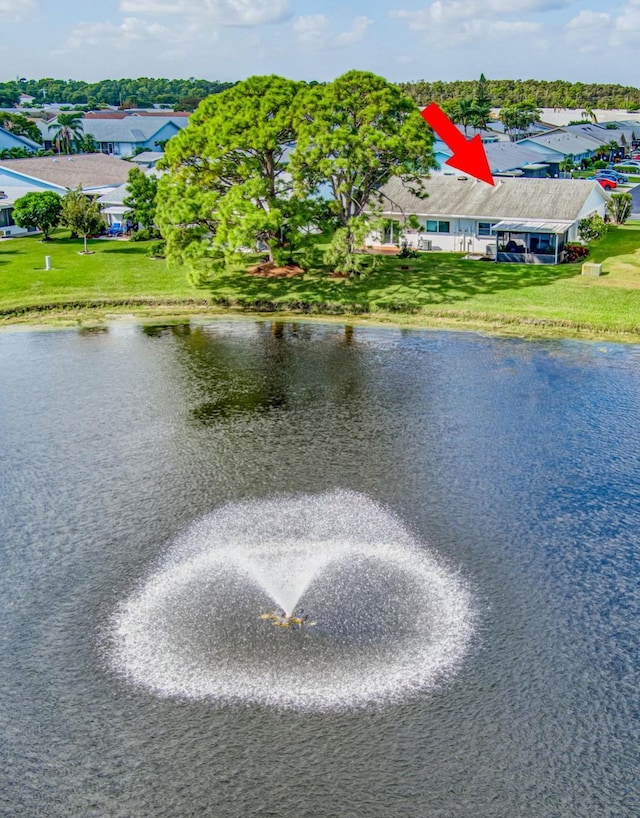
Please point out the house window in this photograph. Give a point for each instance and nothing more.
(484, 228)
(432, 226)
(5, 217)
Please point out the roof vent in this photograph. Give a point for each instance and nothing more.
(463, 178)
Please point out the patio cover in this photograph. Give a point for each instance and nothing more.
(531, 227)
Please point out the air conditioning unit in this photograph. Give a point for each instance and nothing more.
(424, 244)
(4, 232)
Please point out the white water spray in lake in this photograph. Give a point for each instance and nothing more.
(391, 617)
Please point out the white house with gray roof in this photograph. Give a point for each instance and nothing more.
(519, 220)
(95, 173)
(122, 137)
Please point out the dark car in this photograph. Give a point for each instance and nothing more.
(620, 178)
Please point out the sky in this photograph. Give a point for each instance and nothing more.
(575, 40)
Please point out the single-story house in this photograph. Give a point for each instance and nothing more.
(121, 137)
(9, 139)
(519, 220)
(604, 136)
(565, 145)
(95, 173)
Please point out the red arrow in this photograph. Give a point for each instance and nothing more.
(469, 155)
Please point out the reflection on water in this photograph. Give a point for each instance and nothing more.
(517, 462)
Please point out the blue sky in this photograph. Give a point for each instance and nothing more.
(588, 40)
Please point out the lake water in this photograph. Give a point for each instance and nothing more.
(516, 463)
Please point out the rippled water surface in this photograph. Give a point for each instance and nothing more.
(515, 464)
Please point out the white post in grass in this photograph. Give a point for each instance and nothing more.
(47, 262)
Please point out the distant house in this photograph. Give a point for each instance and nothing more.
(94, 173)
(9, 139)
(566, 145)
(122, 137)
(519, 220)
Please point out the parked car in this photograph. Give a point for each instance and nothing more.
(636, 156)
(628, 163)
(620, 178)
(607, 184)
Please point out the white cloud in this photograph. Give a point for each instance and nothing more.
(135, 36)
(460, 13)
(314, 31)
(14, 11)
(593, 31)
(452, 22)
(221, 12)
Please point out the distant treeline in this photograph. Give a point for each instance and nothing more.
(132, 93)
(146, 91)
(543, 93)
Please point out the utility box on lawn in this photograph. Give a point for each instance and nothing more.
(589, 268)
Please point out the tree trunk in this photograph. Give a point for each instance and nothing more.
(85, 242)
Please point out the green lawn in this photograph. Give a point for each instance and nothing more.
(118, 271)
(434, 289)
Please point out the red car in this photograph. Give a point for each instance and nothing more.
(607, 184)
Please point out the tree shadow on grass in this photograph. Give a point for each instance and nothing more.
(441, 279)
(134, 249)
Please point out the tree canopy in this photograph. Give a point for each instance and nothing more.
(142, 191)
(39, 211)
(353, 135)
(81, 214)
(228, 171)
(20, 125)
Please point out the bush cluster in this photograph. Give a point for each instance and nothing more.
(575, 252)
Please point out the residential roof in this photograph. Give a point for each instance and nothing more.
(530, 227)
(125, 114)
(129, 129)
(146, 157)
(115, 196)
(503, 156)
(542, 199)
(602, 135)
(90, 170)
(28, 143)
(569, 144)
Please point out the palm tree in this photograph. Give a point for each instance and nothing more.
(613, 148)
(589, 113)
(465, 113)
(66, 131)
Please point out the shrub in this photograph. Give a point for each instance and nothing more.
(592, 228)
(145, 234)
(628, 169)
(575, 252)
(600, 164)
(157, 249)
(407, 252)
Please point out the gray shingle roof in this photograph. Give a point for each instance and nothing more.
(129, 129)
(90, 170)
(570, 144)
(503, 156)
(547, 199)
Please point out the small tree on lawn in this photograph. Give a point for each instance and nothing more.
(592, 228)
(143, 192)
(39, 211)
(619, 207)
(81, 214)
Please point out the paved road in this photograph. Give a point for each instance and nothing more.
(635, 210)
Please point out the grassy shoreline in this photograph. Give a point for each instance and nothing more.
(438, 290)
